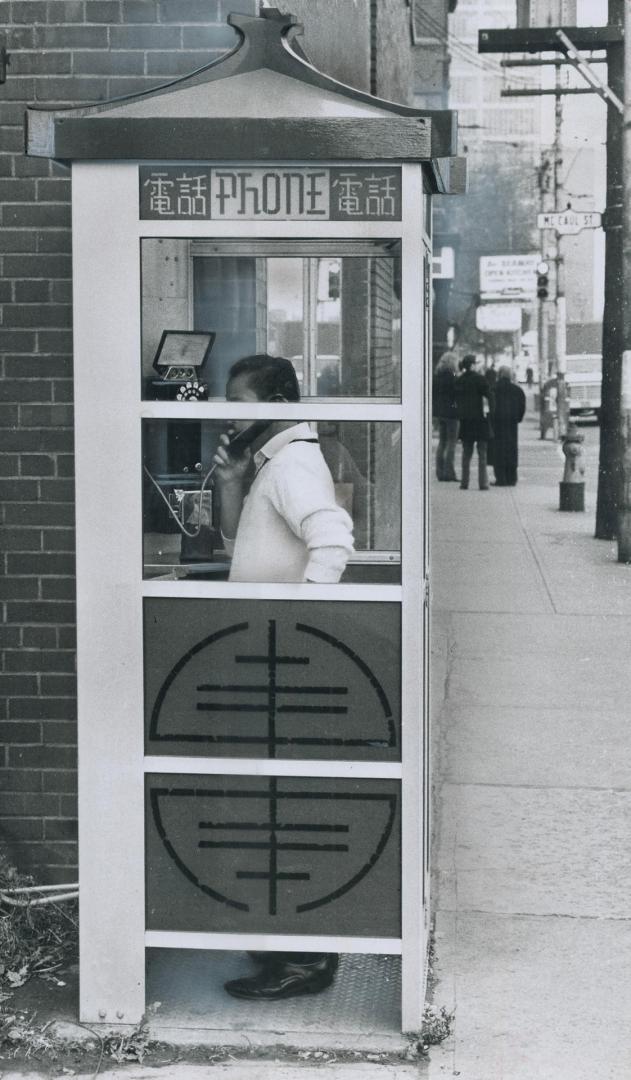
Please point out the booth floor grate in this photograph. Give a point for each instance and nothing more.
(361, 1008)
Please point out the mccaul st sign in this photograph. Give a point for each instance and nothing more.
(190, 192)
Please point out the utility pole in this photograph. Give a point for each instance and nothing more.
(560, 309)
(609, 38)
(624, 520)
(610, 459)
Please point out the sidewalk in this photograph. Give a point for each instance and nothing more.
(531, 685)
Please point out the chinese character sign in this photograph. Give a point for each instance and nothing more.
(292, 193)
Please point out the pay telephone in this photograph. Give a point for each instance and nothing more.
(192, 510)
(179, 363)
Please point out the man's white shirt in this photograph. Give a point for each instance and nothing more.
(291, 528)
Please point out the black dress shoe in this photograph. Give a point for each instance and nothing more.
(285, 980)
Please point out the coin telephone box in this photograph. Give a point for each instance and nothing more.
(254, 755)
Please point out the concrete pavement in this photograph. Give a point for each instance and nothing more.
(531, 701)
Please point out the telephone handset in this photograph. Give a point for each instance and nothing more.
(239, 440)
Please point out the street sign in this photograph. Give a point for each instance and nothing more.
(498, 318)
(569, 222)
(507, 277)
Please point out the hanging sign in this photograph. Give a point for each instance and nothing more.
(508, 276)
(281, 193)
(569, 221)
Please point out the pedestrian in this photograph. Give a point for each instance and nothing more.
(287, 528)
(490, 375)
(509, 406)
(530, 378)
(445, 411)
(473, 397)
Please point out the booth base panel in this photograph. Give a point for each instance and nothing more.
(360, 1011)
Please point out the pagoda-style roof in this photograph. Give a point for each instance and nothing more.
(261, 101)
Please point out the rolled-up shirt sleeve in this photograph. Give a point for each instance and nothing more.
(305, 497)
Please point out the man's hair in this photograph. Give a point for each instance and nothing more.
(468, 361)
(269, 376)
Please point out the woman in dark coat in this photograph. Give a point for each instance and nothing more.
(509, 406)
(444, 410)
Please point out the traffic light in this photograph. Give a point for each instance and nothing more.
(542, 280)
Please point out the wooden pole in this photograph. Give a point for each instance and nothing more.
(624, 517)
(610, 475)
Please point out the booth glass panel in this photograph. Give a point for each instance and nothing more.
(275, 679)
(181, 519)
(333, 309)
(272, 854)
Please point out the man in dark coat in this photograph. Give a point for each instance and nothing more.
(444, 409)
(509, 406)
(472, 396)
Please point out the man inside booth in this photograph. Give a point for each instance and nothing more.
(280, 523)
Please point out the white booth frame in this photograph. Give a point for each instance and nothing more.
(110, 589)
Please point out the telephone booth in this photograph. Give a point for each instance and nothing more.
(253, 754)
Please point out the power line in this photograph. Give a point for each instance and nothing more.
(464, 51)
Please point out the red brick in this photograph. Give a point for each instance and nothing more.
(38, 315)
(18, 588)
(40, 63)
(25, 390)
(21, 539)
(9, 464)
(65, 462)
(32, 292)
(39, 513)
(42, 757)
(71, 37)
(67, 637)
(38, 367)
(45, 612)
(60, 829)
(104, 11)
(28, 11)
(108, 62)
(22, 828)
(61, 732)
(16, 733)
(15, 490)
(63, 781)
(39, 660)
(58, 588)
(140, 11)
(145, 37)
(39, 637)
(16, 240)
(68, 805)
(23, 804)
(21, 780)
(17, 684)
(46, 415)
(59, 540)
(55, 240)
(37, 465)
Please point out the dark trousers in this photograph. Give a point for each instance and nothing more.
(467, 454)
(446, 452)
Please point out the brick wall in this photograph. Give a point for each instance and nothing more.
(62, 52)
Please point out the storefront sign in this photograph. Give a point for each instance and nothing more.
(226, 678)
(191, 193)
(507, 276)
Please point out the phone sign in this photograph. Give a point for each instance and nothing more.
(185, 193)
